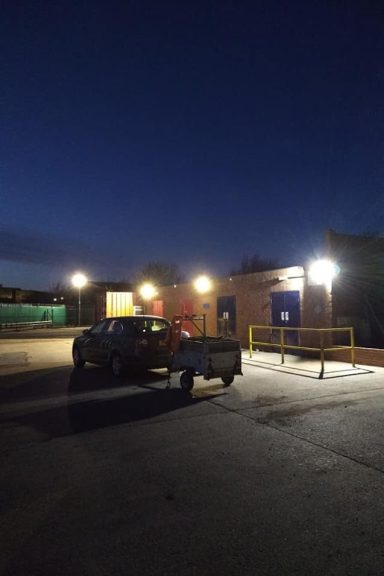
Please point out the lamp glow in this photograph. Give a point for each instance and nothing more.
(203, 284)
(79, 280)
(147, 291)
(323, 272)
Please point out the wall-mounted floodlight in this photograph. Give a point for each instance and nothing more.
(79, 280)
(203, 284)
(323, 272)
(147, 291)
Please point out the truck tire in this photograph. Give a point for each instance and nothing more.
(117, 365)
(78, 362)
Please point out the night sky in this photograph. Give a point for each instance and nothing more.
(193, 133)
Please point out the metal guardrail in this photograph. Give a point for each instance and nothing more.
(322, 349)
(24, 325)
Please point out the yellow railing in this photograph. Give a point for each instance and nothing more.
(322, 348)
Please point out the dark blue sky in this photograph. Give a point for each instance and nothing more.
(189, 132)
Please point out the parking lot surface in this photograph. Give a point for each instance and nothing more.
(281, 473)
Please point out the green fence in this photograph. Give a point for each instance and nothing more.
(22, 313)
(88, 316)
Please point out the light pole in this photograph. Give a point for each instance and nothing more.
(79, 281)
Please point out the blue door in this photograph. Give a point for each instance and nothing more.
(286, 312)
(226, 316)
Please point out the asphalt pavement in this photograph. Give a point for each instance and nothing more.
(281, 473)
(41, 333)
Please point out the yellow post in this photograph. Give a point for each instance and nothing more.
(250, 341)
(282, 344)
(352, 347)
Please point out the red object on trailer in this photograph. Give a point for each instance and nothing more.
(187, 312)
(174, 333)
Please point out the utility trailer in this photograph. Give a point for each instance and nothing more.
(207, 356)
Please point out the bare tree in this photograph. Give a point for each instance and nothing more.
(255, 263)
(159, 273)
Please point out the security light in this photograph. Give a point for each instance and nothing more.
(322, 272)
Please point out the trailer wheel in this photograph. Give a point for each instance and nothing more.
(186, 381)
(227, 380)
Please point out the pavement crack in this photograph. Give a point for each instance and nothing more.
(254, 420)
(327, 448)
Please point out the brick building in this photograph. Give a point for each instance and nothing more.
(281, 297)
(358, 290)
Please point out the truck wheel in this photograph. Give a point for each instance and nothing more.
(117, 365)
(186, 381)
(78, 362)
(227, 380)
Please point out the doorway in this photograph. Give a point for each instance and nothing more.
(286, 312)
(226, 316)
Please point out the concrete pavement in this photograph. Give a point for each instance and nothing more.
(23, 350)
(279, 474)
(304, 366)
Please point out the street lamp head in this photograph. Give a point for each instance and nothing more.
(79, 280)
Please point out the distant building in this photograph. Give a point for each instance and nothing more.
(10, 295)
(282, 297)
(358, 290)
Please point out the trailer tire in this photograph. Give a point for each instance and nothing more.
(186, 381)
(227, 380)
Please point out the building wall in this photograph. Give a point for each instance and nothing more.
(358, 290)
(317, 313)
(18, 296)
(8, 295)
(253, 298)
(363, 356)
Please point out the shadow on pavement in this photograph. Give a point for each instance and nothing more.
(87, 409)
(34, 384)
(101, 378)
(307, 372)
(61, 381)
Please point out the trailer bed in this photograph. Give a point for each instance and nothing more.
(210, 357)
